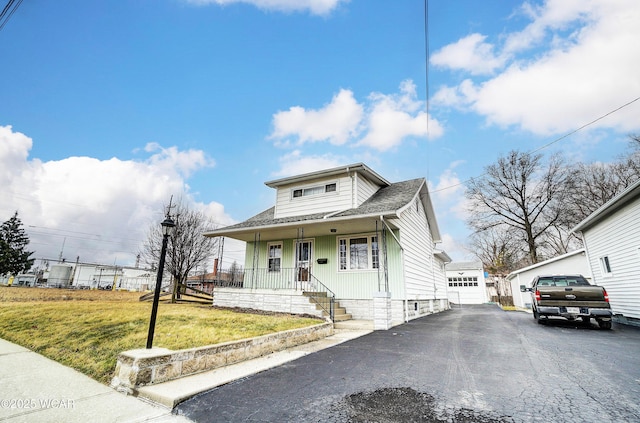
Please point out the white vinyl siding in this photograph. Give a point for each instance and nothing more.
(322, 202)
(364, 190)
(422, 279)
(618, 237)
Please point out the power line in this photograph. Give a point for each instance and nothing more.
(426, 74)
(8, 11)
(552, 142)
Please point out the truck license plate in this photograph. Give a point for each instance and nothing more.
(573, 310)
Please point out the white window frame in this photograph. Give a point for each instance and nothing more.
(269, 258)
(344, 256)
(329, 188)
(605, 266)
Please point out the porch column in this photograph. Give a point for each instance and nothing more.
(381, 310)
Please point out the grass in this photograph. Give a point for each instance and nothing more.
(87, 330)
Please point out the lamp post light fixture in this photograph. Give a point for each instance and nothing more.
(167, 230)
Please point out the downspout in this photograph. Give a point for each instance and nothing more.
(404, 278)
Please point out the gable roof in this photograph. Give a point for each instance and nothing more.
(356, 167)
(464, 265)
(388, 201)
(630, 194)
(544, 263)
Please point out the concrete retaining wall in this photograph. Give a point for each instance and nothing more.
(283, 301)
(141, 367)
(363, 309)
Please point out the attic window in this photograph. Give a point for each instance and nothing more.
(304, 192)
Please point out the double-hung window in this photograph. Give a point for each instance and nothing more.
(275, 257)
(358, 253)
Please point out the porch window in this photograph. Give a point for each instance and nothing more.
(358, 253)
(275, 257)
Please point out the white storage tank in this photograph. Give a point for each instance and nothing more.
(59, 275)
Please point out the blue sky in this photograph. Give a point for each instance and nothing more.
(109, 108)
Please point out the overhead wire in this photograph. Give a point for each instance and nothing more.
(8, 12)
(568, 134)
(426, 76)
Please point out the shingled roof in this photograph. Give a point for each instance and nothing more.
(387, 200)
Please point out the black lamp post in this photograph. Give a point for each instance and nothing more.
(167, 230)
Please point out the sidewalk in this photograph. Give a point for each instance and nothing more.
(34, 388)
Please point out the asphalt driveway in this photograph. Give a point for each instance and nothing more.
(469, 364)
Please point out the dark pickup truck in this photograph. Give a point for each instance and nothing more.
(571, 297)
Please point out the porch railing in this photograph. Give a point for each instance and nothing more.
(284, 278)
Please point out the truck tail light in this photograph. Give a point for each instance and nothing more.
(606, 296)
(538, 296)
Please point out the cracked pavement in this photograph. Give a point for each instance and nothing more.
(469, 364)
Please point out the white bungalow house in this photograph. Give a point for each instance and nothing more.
(466, 283)
(345, 242)
(611, 237)
(572, 263)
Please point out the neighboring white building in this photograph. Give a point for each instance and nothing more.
(573, 263)
(611, 236)
(92, 276)
(466, 283)
(96, 276)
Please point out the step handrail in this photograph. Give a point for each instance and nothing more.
(320, 288)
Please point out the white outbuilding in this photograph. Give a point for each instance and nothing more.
(573, 263)
(466, 283)
(611, 236)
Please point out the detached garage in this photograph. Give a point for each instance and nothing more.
(573, 263)
(611, 237)
(466, 283)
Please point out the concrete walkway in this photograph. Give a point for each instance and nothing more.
(34, 388)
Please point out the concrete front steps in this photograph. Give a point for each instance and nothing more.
(322, 302)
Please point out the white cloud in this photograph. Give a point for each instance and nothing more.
(386, 120)
(295, 163)
(316, 7)
(100, 210)
(470, 53)
(589, 69)
(336, 122)
(392, 118)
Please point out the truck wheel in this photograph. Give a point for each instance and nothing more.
(604, 324)
(537, 316)
(586, 320)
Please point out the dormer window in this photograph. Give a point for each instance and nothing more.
(304, 192)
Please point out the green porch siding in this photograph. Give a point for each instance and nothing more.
(286, 259)
(354, 284)
(345, 284)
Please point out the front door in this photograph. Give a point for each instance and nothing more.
(304, 259)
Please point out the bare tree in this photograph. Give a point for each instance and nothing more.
(594, 184)
(187, 249)
(498, 250)
(522, 194)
